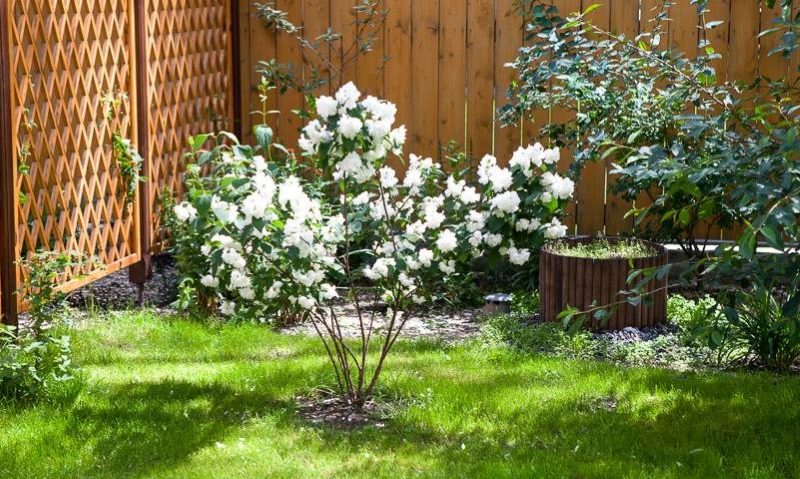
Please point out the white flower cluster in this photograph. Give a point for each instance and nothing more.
(521, 197)
(357, 133)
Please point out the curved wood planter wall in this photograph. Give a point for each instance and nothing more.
(578, 282)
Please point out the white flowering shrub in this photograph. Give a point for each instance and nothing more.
(521, 207)
(258, 243)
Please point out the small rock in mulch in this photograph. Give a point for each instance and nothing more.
(329, 409)
(631, 334)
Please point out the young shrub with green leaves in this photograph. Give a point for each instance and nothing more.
(35, 361)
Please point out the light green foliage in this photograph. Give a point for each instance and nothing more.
(525, 303)
(35, 362)
(693, 317)
(128, 160)
(170, 398)
(601, 248)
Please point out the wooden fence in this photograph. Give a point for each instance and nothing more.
(187, 67)
(173, 59)
(446, 71)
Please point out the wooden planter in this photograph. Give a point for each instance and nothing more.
(578, 282)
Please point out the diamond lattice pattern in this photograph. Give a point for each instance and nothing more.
(65, 54)
(189, 86)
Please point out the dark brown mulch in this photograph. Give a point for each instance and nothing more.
(325, 408)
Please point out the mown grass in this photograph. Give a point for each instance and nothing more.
(172, 398)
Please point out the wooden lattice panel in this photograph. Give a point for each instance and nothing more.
(189, 86)
(65, 55)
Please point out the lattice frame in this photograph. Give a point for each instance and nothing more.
(65, 55)
(190, 87)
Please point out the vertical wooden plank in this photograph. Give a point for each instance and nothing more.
(316, 21)
(424, 138)
(452, 72)
(343, 22)
(235, 66)
(244, 67)
(508, 40)
(590, 189)
(624, 21)
(369, 68)
(262, 44)
(743, 41)
(480, 77)
(397, 71)
(650, 10)
(770, 67)
(560, 115)
(8, 180)
(719, 37)
(684, 28)
(142, 270)
(289, 52)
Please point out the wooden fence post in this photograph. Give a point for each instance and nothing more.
(236, 69)
(141, 271)
(8, 178)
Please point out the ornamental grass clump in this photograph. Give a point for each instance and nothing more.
(259, 243)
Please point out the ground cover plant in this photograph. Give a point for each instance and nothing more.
(602, 248)
(174, 398)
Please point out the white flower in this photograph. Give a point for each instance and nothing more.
(447, 241)
(233, 258)
(475, 239)
(362, 199)
(500, 178)
(475, 221)
(247, 293)
(349, 127)
(562, 187)
(551, 156)
(388, 177)
(316, 133)
(425, 257)
(447, 267)
(185, 211)
(507, 202)
(397, 138)
(254, 206)
(306, 302)
(547, 197)
(555, 229)
(348, 96)
(226, 212)
(239, 279)
(470, 195)
(224, 240)
(433, 217)
(493, 240)
(413, 180)
(327, 292)
(454, 188)
(378, 130)
(326, 106)
(518, 256)
(227, 308)
(274, 290)
(487, 163)
(379, 269)
(381, 110)
(205, 249)
(209, 281)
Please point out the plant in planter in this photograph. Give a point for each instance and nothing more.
(582, 281)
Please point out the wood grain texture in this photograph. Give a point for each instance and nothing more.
(480, 78)
(453, 72)
(424, 137)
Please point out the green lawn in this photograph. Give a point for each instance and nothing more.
(176, 398)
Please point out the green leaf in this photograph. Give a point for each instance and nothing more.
(263, 135)
(592, 8)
